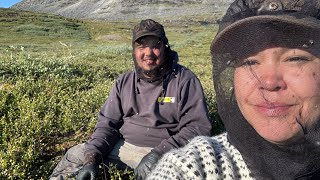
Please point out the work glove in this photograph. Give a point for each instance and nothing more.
(146, 164)
(90, 169)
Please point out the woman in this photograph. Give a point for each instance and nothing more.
(266, 73)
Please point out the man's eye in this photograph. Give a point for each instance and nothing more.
(157, 45)
(140, 47)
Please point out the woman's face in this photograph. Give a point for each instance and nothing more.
(278, 92)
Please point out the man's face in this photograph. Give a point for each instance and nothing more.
(149, 54)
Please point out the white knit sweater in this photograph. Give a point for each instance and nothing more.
(209, 158)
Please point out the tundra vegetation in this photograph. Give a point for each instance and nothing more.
(55, 74)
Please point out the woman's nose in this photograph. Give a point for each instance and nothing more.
(271, 79)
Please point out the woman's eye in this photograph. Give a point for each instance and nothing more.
(298, 58)
(249, 62)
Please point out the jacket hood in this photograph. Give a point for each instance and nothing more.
(245, 37)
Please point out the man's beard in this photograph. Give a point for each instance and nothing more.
(155, 74)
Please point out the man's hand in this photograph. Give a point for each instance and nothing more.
(89, 171)
(146, 165)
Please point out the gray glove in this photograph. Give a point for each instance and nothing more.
(146, 164)
(90, 170)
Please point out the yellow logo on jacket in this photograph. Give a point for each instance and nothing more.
(166, 99)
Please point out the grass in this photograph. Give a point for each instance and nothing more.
(55, 74)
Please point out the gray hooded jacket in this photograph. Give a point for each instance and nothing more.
(162, 114)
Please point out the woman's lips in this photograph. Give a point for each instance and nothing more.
(273, 109)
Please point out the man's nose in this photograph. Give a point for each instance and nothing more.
(148, 51)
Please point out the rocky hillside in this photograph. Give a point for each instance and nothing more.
(125, 9)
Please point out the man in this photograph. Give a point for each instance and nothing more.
(156, 107)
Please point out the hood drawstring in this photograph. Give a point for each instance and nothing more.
(165, 82)
(137, 89)
(164, 89)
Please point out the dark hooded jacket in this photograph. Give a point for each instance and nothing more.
(163, 114)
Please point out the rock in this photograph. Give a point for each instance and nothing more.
(114, 10)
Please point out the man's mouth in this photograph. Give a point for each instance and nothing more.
(150, 62)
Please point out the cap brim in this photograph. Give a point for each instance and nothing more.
(146, 34)
(220, 42)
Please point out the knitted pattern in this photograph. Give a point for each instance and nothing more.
(203, 158)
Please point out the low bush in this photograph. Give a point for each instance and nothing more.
(48, 105)
(51, 89)
(43, 102)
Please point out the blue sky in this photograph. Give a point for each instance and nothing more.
(8, 3)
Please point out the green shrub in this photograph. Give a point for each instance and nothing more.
(54, 78)
(43, 101)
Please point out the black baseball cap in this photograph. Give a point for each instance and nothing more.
(149, 27)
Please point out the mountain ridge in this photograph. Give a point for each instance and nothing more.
(114, 10)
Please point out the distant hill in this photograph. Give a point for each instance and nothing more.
(125, 9)
(38, 32)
